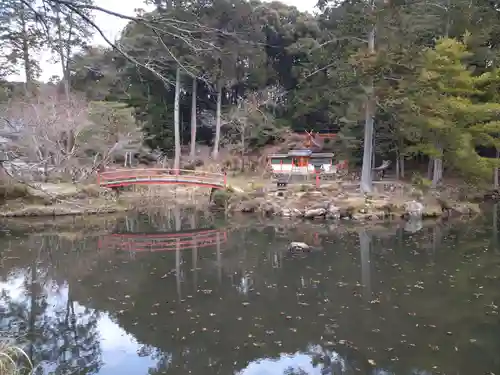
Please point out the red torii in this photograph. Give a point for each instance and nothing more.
(311, 136)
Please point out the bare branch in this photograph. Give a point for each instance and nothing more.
(62, 136)
(115, 46)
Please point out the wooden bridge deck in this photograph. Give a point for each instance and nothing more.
(161, 176)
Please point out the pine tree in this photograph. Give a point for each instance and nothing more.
(22, 38)
(448, 115)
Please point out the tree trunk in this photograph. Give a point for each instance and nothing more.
(397, 168)
(60, 51)
(28, 69)
(373, 154)
(437, 174)
(495, 227)
(192, 152)
(177, 137)
(243, 149)
(218, 121)
(366, 171)
(495, 181)
(401, 160)
(430, 166)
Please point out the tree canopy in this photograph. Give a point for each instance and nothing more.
(425, 73)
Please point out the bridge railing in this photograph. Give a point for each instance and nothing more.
(158, 175)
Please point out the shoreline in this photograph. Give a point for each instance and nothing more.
(61, 211)
(332, 202)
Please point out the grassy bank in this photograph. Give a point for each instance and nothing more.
(20, 200)
(13, 360)
(66, 199)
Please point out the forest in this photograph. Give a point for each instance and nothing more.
(414, 82)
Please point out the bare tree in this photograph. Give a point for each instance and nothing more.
(49, 129)
(249, 122)
(58, 136)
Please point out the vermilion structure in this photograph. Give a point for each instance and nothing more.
(163, 241)
(161, 176)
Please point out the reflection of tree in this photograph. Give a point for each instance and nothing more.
(285, 309)
(172, 220)
(494, 230)
(220, 324)
(294, 371)
(54, 333)
(77, 335)
(365, 240)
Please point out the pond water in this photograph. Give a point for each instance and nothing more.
(185, 293)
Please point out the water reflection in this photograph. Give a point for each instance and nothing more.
(377, 300)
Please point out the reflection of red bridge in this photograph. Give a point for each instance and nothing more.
(164, 242)
(161, 176)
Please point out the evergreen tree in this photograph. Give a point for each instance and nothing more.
(447, 113)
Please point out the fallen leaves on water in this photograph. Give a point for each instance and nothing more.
(372, 362)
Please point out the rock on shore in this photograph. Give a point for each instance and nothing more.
(337, 205)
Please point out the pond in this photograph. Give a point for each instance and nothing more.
(188, 293)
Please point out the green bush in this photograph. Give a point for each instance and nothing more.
(305, 188)
(12, 358)
(421, 182)
(13, 191)
(220, 198)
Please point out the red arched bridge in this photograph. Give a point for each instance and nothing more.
(161, 176)
(163, 241)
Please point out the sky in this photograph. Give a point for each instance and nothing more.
(112, 26)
